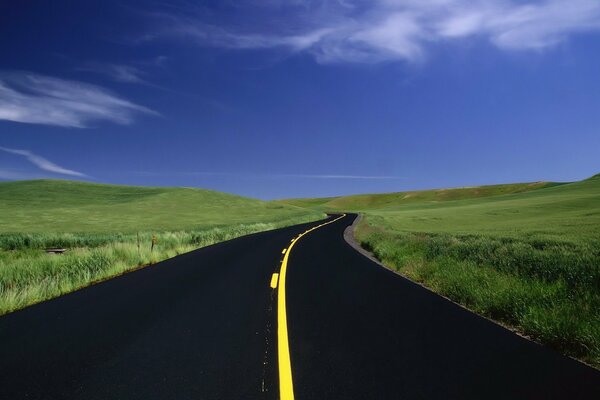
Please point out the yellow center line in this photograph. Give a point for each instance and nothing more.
(286, 384)
(274, 279)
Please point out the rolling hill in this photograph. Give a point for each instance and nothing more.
(73, 206)
(363, 202)
(566, 212)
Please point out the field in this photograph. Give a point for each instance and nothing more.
(526, 255)
(108, 229)
(43, 206)
(362, 202)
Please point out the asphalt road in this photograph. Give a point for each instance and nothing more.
(204, 326)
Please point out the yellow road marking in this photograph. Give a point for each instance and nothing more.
(283, 251)
(286, 384)
(274, 279)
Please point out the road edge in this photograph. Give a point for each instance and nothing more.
(352, 242)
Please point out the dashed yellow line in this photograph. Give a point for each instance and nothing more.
(286, 384)
(274, 279)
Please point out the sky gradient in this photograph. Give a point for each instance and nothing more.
(276, 99)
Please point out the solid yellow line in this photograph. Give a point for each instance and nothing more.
(286, 384)
(274, 280)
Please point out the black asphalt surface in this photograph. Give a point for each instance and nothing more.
(203, 326)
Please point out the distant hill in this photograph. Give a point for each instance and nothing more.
(364, 202)
(73, 206)
(562, 211)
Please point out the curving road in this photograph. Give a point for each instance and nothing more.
(208, 325)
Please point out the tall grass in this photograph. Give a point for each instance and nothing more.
(28, 275)
(546, 288)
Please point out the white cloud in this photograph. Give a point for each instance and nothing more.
(38, 99)
(334, 176)
(544, 25)
(267, 175)
(381, 30)
(117, 72)
(39, 162)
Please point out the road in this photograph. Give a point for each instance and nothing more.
(208, 325)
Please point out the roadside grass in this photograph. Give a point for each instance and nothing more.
(529, 260)
(101, 226)
(28, 275)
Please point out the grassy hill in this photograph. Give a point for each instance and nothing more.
(364, 202)
(71, 206)
(568, 212)
(109, 229)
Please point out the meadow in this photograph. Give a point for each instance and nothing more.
(525, 255)
(108, 229)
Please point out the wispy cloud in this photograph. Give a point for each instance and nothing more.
(383, 30)
(38, 99)
(334, 176)
(40, 162)
(267, 175)
(117, 72)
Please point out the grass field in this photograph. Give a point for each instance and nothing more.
(43, 206)
(362, 202)
(102, 225)
(527, 255)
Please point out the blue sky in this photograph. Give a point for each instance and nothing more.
(276, 99)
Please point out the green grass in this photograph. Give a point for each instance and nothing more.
(527, 256)
(362, 202)
(569, 212)
(101, 226)
(68, 206)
